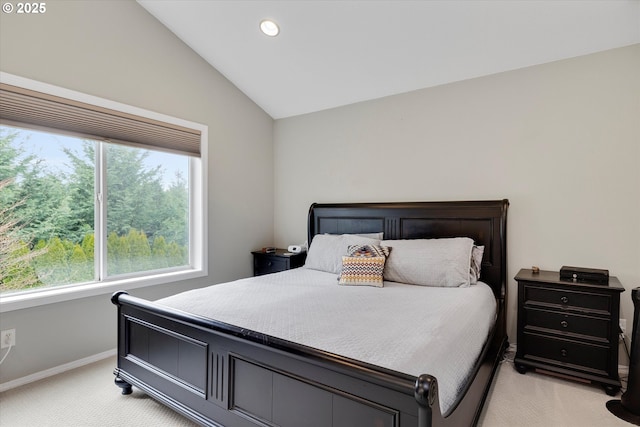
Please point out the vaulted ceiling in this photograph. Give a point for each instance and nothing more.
(333, 53)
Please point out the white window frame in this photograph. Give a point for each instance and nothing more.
(198, 241)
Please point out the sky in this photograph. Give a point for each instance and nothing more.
(48, 147)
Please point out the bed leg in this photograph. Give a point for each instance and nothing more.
(426, 392)
(125, 386)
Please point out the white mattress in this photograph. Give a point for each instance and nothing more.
(373, 325)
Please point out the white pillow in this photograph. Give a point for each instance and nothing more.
(429, 262)
(378, 236)
(476, 264)
(326, 250)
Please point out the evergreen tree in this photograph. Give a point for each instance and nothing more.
(159, 252)
(175, 212)
(81, 190)
(88, 246)
(13, 161)
(16, 271)
(13, 164)
(176, 254)
(52, 266)
(134, 191)
(45, 212)
(80, 268)
(139, 250)
(147, 224)
(118, 257)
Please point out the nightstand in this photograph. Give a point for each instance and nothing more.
(569, 328)
(264, 263)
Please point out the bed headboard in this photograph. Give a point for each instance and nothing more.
(483, 221)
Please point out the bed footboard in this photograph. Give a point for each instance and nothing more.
(238, 378)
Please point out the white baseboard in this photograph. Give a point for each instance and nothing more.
(56, 370)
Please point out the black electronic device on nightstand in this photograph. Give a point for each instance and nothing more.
(569, 327)
(274, 261)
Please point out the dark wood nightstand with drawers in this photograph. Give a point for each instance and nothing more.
(265, 263)
(570, 328)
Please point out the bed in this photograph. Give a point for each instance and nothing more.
(218, 371)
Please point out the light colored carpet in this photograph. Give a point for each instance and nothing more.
(83, 397)
(538, 400)
(87, 397)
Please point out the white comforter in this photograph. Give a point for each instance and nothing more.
(407, 328)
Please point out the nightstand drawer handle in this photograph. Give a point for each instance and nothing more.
(563, 352)
(564, 300)
(564, 324)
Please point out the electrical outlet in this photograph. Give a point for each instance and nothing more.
(623, 325)
(7, 338)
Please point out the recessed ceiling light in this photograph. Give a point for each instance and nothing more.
(269, 27)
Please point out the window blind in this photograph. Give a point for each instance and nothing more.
(28, 108)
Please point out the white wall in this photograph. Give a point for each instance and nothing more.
(116, 50)
(561, 141)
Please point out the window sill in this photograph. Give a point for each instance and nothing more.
(50, 296)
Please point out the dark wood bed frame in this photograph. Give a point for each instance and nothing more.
(219, 374)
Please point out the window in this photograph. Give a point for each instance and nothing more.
(95, 195)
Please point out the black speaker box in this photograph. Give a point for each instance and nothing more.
(581, 274)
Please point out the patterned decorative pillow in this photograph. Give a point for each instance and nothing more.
(364, 265)
(368, 250)
(360, 270)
